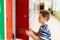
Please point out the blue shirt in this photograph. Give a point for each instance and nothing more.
(44, 32)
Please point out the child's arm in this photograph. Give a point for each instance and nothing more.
(32, 35)
(36, 33)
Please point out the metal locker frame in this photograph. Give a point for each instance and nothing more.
(8, 19)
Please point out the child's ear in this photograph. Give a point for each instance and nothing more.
(45, 18)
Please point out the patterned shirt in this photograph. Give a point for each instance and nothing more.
(44, 32)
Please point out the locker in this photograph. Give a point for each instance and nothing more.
(2, 20)
(22, 18)
(8, 19)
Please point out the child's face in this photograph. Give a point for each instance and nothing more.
(41, 19)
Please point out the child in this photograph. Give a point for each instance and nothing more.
(44, 31)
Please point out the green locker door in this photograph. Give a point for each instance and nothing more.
(1, 19)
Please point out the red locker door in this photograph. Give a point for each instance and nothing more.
(22, 18)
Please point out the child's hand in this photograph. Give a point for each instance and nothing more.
(31, 30)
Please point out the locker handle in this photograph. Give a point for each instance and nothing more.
(25, 16)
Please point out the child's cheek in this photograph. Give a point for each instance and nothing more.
(40, 21)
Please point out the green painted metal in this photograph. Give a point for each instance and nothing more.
(2, 20)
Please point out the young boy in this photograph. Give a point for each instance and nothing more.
(44, 31)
